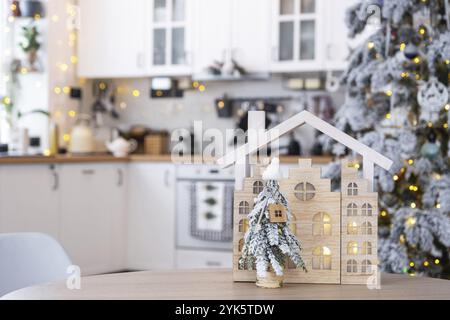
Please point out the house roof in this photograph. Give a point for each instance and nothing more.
(317, 123)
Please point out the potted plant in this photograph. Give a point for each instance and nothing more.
(30, 45)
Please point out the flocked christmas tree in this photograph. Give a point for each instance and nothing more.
(269, 242)
(397, 103)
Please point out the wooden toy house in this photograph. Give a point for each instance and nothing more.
(337, 230)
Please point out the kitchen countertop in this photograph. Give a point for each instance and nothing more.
(131, 158)
(218, 284)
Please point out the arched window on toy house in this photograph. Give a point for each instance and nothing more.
(304, 191)
(366, 247)
(258, 186)
(321, 259)
(366, 228)
(243, 225)
(241, 245)
(321, 224)
(352, 227)
(366, 266)
(352, 248)
(352, 266)
(352, 189)
(366, 210)
(244, 207)
(352, 210)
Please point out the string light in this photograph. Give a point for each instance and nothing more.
(201, 88)
(438, 206)
(447, 107)
(410, 162)
(411, 264)
(370, 45)
(413, 205)
(430, 124)
(388, 115)
(47, 152)
(402, 46)
(73, 59)
(195, 84)
(445, 125)
(66, 90)
(66, 137)
(402, 238)
(6, 101)
(136, 93)
(23, 70)
(395, 177)
(411, 221)
(357, 166)
(426, 263)
(72, 113)
(383, 213)
(422, 30)
(389, 93)
(57, 90)
(404, 75)
(436, 261)
(416, 60)
(63, 67)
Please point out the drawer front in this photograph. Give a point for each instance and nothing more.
(196, 259)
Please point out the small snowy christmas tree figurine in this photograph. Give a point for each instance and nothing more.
(269, 241)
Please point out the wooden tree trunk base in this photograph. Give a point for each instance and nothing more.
(270, 281)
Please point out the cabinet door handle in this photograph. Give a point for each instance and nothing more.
(213, 263)
(140, 60)
(55, 180)
(167, 178)
(88, 172)
(120, 177)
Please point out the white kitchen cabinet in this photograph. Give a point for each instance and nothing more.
(151, 209)
(29, 199)
(297, 38)
(112, 39)
(237, 28)
(93, 216)
(170, 37)
(200, 259)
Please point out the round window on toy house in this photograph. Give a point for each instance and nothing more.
(244, 207)
(304, 191)
(258, 186)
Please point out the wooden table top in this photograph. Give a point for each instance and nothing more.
(218, 284)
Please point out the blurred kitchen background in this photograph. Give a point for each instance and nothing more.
(84, 83)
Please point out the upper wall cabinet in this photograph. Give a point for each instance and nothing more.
(309, 35)
(112, 39)
(298, 35)
(170, 37)
(232, 29)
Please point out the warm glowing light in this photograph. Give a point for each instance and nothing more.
(413, 205)
(47, 152)
(402, 170)
(430, 124)
(221, 104)
(201, 88)
(57, 90)
(436, 261)
(388, 116)
(417, 60)
(447, 107)
(438, 205)
(370, 45)
(402, 46)
(73, 59)
(102, 86)
(411, 264)
(402, 238)
(11, 19)
(395, 177)
(383, 213)
(72, 36)
(410, 162)
(6, 100)
(195, 84)
(411, 221)
(405, 75)
(357, 166)
(66, 90)
(136, 93)
(422, 30)
(447, 61)
(23, 70)
(72, 113)
(159, 93)
(445, 125)
(389, 93)
(426, 263)
(66, 137)
(37, 16)
(63, 67)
